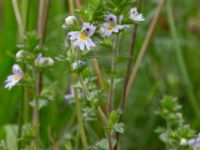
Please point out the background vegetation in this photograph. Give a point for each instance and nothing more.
(160, 73)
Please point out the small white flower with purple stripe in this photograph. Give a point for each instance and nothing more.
(195, 143)
(135, 16)
(82, 38)
(110, 26)
(14, 78)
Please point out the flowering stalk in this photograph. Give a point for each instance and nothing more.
(99, 74)
(144, 46)
(129, 63)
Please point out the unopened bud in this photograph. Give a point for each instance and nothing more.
(183, 142)
(21, 54)
(70, 20)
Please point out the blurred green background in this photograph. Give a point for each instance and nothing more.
(159, 75)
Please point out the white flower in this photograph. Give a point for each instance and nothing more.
(135, 16)
(14, 78)
(110, 26)
(42, 61)
(82, 38)
(195, 143)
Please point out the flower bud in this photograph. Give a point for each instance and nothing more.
(50, 61)
(183, 142)
(21, 54)
(70, 20)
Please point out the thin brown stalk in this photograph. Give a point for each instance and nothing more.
(42, 18)
(78, 3)
(129, 79)
(128, 68)
(42, 21)
(144, 46)
(129, 64)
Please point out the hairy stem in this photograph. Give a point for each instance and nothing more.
(181, 61)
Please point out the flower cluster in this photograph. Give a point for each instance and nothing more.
(82, 39)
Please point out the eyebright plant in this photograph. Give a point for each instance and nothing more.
(91, 96)
(86, 31)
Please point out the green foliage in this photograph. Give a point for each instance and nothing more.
(176, 133)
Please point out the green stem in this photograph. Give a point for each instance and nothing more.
(26, 105)
(21, 118)
(180, 59)
(78, 113)
(112, 78)
(25, 9)
(105, 122)
(71, 6)
(74, 78)
(36, 107)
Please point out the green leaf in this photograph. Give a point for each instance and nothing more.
(119, 127)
